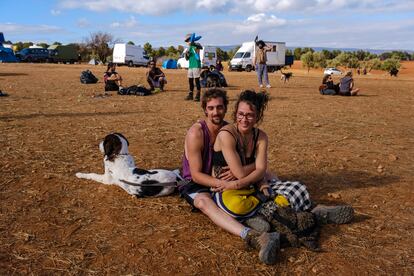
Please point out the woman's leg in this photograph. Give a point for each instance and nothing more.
(266, 77)
(259, 72)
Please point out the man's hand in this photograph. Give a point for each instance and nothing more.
(226, 174)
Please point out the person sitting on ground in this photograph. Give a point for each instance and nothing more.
(347, 86)
(197, 169)
(155, 77)
(328, 87)
(113, 81)
(219, 66)
(240, 150)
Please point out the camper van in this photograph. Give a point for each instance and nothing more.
(244, 57)
(130, 55)
(208, 56)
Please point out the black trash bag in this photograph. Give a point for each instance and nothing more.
(135, 90)
(87, 77)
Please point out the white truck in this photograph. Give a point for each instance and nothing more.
(130, 55)
(244, 57)
(208, 56)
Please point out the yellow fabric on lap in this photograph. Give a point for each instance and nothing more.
(240, 202)
(281, 201)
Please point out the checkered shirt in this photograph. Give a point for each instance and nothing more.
(295, 192)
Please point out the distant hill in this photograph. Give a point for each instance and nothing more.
(318, 49)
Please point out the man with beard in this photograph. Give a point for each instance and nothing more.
(197, 168)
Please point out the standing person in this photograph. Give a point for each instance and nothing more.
(113, 81)
(197, 169)
(260, 60)
(194, 67)
(219, 65)
(347, 86)
(155, 77)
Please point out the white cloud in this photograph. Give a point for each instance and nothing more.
(130, 23)
(83, 23)
(13, 29)
(158, 7)
(55, 12)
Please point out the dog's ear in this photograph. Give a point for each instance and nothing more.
(112, 145)
(119, 134)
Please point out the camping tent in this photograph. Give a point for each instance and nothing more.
(94, 62)
(169, 64)
(7, 55)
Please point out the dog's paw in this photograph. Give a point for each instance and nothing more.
(79, 175)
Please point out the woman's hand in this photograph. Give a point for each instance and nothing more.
(224, 186)
(226, 174)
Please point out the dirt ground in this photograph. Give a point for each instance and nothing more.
(357, 150)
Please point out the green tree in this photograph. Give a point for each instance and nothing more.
(327, 54)
(43, 45)
(297, 53)
(319, 60)
(131, 43)
(353, 62)
(56, 43)
(27, 44)
(336, 53)
(289, 52)
(223, 55)
(160, 52)
(390, 63)
(148, 49)
(333, 62)
(307, 60)
(374, 63)
(18, 46)
(232, 52)
(180, 49)
(99, 43)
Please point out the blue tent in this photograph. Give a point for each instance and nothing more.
(7, 55)
(169, 64)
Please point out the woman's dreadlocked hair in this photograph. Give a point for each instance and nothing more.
(258, 101)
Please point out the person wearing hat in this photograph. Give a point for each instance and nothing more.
(346, 85)
(260, 60)
(194, 67)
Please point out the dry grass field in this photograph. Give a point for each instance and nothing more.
(358, 150)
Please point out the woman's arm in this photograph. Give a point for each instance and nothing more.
(258, 169)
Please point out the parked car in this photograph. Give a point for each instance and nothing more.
(332, 71)
(33, 55)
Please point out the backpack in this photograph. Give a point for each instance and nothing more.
(135, 90)
(87, 77)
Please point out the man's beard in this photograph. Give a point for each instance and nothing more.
(217, 120)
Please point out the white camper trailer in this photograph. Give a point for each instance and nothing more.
(244, 57)
(130, 55)
(208, 56)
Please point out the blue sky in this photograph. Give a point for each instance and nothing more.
(365, 24)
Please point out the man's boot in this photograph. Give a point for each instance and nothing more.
(339, 214)
(189, 96)
(258, 223)
(268, 245)
(197, 97)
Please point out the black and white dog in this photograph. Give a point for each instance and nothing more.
(120, 170)
(285, 76)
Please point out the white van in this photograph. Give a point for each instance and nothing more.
(208, 56)
(244, 57)
(130, 55)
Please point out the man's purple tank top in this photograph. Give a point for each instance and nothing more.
(207, 154)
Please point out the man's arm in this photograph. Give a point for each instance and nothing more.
(193, 151)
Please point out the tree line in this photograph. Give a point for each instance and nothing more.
(99, 46)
